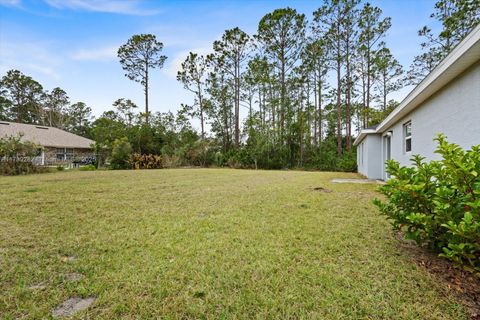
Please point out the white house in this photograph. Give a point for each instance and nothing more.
(447, 101)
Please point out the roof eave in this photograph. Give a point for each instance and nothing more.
(362, 135)
(464, 55)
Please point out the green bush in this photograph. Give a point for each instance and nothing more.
(60, 168)
(200, 153)
(171, 161)
(88, 167)
(121, 153)
(348, 162)
(17, 168)
(16, 156)
(219, 159)
(437, 203)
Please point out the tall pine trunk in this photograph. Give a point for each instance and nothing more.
(320, 133)
(339, 101)
(384, 90)
(315, 112)
(200, 102)
(237, 103)
(348, 105)
(146, 92)
(367, 113)
(283, 102)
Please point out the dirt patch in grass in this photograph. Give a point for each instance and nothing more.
(322, 189)
(202, 214)
(358, 181)
(39, 286)
(464, 284)
(74, 276)
(71, 306)
(68, 258)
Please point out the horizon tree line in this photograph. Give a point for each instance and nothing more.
(292, 94)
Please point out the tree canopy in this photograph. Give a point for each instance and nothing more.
(141, 53)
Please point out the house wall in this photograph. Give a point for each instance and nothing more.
(453, 111)
(369, 156)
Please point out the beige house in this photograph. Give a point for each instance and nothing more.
(58, 146)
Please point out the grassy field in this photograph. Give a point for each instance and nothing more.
(208, 244)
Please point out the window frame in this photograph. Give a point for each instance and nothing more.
(60, 154)
(69, 154)
(65, 154)
(407, 135)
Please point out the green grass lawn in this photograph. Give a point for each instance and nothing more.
(208, 244)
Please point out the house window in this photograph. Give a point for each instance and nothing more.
(61, 154)
(407, 134)
(68, 154)
(64, 154)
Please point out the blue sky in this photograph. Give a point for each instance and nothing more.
(72, 43)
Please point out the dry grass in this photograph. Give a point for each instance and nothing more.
(206, 243)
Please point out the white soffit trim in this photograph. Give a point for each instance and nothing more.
(362, 135)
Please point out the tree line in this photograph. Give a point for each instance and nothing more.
(309, 85)
(23, 99)
(294, 94)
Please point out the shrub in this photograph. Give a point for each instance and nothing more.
(88, 167)
(437, 203)
(171, 161)
(145, 161)
(16, 156)
(236, 159)
(200, 153)
(18, 168)
(60, 168)
(102, 151)
(121, 152)
(219, 159)
(348, 162)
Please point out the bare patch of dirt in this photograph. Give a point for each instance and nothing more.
(68, 258)
(65, 180)
(358, 181)
(37, 287)
(71, 306)
(74, 276)
(322, 189)
(464, 284)
(202, 214)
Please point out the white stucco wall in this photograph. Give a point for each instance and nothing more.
(369, 157)
(453, 111)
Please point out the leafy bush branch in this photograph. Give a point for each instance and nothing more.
(437, 203)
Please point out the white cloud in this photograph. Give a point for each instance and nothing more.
(10, 3)
(30, 68)
(30, 57)
(97, 54)
(46, 70)
(128, 7)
